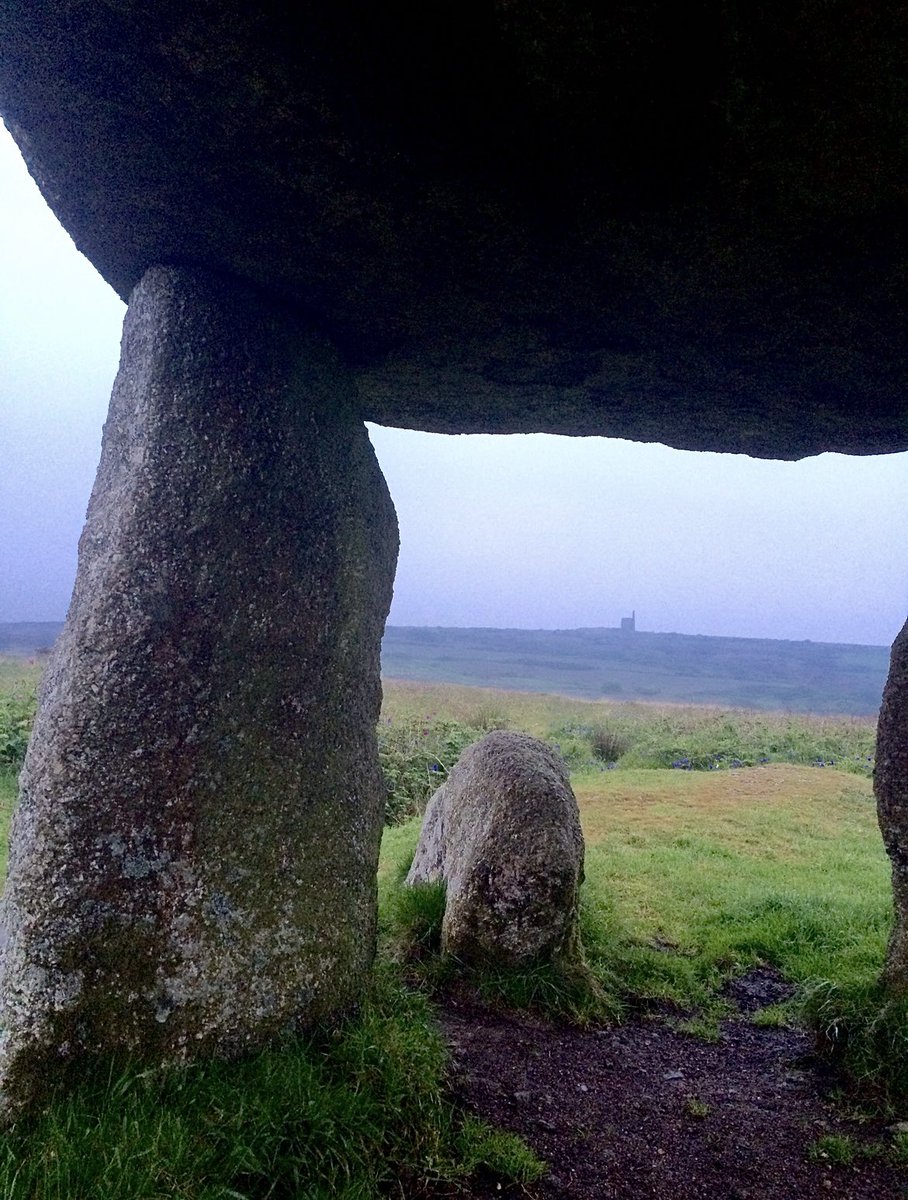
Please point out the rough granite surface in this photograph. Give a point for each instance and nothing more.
(193, 858)
(503, 834)
(890, 783)
(668, 222)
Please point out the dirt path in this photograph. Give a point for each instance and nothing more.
(644, 1111)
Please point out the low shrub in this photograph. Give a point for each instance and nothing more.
(17, 714)
(715, 740)
(487, 716)
(416, 755)
(589, 745)
(608, 745)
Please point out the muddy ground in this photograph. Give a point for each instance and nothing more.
(643, 1110)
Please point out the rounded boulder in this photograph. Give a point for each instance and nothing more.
(503, 834)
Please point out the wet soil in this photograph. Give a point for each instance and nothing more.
(644, 1110)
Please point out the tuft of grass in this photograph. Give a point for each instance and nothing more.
(608, 745)
(899, 1151)
(864, 1030)
(568, 992)
(842, 1150)
(497, 1152)
(834, 1148)
(695, 1107)
(776, 1016)
(356, 1112)
(413, 917)
(705, 1023)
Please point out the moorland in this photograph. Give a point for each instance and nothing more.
(820, 677)
(726, 849)
(596, 664)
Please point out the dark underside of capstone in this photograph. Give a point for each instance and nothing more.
(682, 223)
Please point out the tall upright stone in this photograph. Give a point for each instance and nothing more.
(192, 868)
(890, 783)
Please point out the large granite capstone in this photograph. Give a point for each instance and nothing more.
(669, 222)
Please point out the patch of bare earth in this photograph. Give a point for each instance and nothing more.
(646, 1111)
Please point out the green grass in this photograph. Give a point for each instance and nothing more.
(693, 875)
(714, 873)
(8, 783)
(356, 1112)
(591, 734)
(834, 1148)
(17, 710)
(841, 1150)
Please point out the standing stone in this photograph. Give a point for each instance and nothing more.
(193, 858)
(503, 834)
(890, 783)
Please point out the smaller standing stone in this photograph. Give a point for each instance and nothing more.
(890, 785)
(503, 833)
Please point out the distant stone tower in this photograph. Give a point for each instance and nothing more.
(629, 624)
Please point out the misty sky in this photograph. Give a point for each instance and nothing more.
(530, 531)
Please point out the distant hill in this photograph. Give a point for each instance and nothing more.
(596, 664)
(28, 638)
(819, 677)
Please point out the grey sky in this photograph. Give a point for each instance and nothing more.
(528, 531)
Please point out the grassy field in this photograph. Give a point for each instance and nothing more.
(424, 727)
(758, 846)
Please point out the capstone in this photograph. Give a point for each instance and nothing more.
(667, 222)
